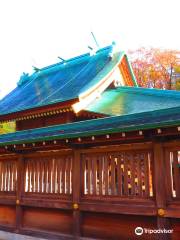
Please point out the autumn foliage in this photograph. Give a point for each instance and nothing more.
(155, 68)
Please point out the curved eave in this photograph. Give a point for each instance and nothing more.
(131, 71)
(103, 79)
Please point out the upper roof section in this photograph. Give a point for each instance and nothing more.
(131, 100)
(75, 78)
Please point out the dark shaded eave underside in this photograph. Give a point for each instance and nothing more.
(126, 123)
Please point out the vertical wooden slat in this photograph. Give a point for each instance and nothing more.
(49, 175)
(56, 184)
(113, 184)
(83, 175)
(65, 178)
(106, 175)
(28, 177)
(9, 176)
(40, 175)
(139, 177)
(71, 172)
(119, 176)
(176, 173)
(53, 174)
(125, 174)
(89, 175)
(45, 175)
(63, 174)
(168, 179)
(132, 170)
(33, 175)
(56, 180)
(15, 176)
(68, 159)
(36, 176)
(59, 174)
(146, 175)
(6, 176)
(100, 175)
(10, 179)
(25, 177)
(94, 168)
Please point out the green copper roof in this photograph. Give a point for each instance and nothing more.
(138, 121)
(130, 100)
(60, 82)
(56, 83)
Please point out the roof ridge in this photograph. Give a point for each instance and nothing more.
(72, 59)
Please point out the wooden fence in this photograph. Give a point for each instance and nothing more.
(103, 192)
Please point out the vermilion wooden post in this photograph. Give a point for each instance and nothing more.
(76, 194)
(19, 191)
(160, 189)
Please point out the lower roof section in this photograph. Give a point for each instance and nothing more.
(130, 100)
(140, 121)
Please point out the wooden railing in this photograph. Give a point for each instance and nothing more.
(8, 176)
(49, 175)
(118, 173)
(67, 192)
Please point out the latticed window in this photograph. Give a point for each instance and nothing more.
(49, 175)
(117, 174)
(8, 175)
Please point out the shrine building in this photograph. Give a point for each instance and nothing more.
(93, 155)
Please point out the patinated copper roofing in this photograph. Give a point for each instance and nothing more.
(61, 82)
(139, 121)
(132, 100)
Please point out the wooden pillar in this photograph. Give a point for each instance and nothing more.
(160, 189)
(76, 194)
(19, 191)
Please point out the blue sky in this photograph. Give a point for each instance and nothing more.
(36, 32)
